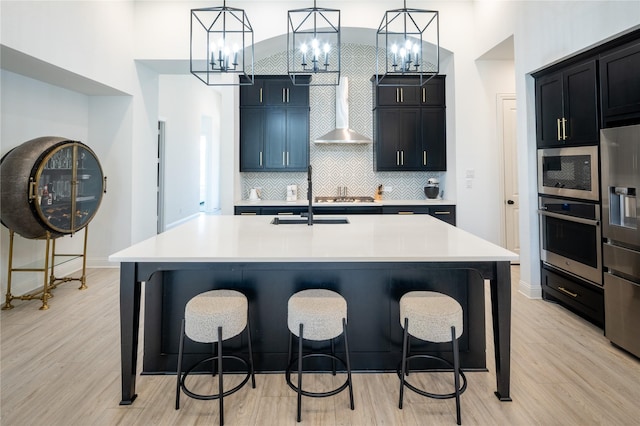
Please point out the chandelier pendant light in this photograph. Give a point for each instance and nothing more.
(408, 44)
(313, 46)
(221, 46)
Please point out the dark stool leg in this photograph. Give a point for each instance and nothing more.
(405, 335)
(299, 418)
(346, 348)
(220, 384)
(179, 369)
(253, 377)
(333, 353)
(456, 371)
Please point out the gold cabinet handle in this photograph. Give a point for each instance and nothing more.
(260, 158)
(424, 94)
(397, 95)
(405, 212)
(564, 129)
(288, 95)
(565, 291)
(424, 158)
(442, 212)
(284, 213)
(558, 124)
(402, 158)
(261, 95)
(283, 95)
(287, 158)
(248, 214)
(397, 158)
(284, 163)
(401, 95)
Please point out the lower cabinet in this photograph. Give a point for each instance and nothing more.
(446, 213)
(583, 298)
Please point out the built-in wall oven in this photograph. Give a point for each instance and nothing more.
(570, 237)
(570, 172)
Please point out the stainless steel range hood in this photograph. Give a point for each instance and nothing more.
(342, 133)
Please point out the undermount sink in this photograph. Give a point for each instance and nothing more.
(304, 221)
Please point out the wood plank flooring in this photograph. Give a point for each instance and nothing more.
(62, 367)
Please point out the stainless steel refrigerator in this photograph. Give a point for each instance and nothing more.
(620, 168)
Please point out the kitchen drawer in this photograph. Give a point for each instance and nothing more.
(580, 297)
(444, 213)
(284, 210)
(405, 209)
(241, 210)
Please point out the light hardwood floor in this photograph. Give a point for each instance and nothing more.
(62, 367)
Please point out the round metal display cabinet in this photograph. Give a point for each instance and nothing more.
(50, 185)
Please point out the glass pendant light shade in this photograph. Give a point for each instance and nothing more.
(221, 46)
(313, 46)
(407, 44)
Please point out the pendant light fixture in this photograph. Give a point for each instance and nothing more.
(313, 46)
(408, 44)
(221, 46)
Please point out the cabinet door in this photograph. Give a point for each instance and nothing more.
(580, 105)
(252, 129)
(283, 92)
(297, 146)
(433, 153)
(252, 95)
(548, 110)
(275, 137)
(444, 213)
(398, 95)
(620, 86)
(397, 138)
(432, 93)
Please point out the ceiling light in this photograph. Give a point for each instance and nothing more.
(221, 46)
(313, 46)
(408, 43)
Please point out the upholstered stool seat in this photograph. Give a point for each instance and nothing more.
(318, 315)
(212, 317)
(432, 317)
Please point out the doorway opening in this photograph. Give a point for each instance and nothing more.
(209, 178)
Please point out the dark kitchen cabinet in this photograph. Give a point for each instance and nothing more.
(274, 125)
(398, 132)
(398, 94)
(410, 126)
(446, 213)
(620, 86)
(567, 106)
(274, 90)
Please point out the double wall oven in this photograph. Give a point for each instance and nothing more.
(569, 210)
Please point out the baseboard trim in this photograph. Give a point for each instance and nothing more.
(532, 292)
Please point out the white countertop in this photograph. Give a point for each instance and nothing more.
(302, 203)
(367, 238)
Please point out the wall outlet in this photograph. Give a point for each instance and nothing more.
(387, 189)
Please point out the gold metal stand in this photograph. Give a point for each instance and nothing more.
(50, 282)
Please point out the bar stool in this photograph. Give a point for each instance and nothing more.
(212, 317)
(318, 315)
(433, 317)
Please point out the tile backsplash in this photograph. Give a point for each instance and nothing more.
(339, 165)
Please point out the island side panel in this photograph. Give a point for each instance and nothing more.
(372, 291)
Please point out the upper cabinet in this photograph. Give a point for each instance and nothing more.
(620, 86)
(274, 125)
(409, 125)
(567, 106)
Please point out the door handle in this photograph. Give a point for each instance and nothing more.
(510, 202)
(564, 129)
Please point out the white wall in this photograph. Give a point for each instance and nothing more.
(183, 101)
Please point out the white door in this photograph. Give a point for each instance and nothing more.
(507, 105)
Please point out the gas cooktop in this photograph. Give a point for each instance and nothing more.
(346, 199)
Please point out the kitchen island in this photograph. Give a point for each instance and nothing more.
(371, 261)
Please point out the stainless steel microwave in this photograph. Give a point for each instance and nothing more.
(569, 172)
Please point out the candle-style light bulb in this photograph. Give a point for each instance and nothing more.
(236, 49)
(303, 50)
(327, 49)
(416, 49)
(394, 50)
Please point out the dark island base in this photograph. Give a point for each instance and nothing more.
(372, 291)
